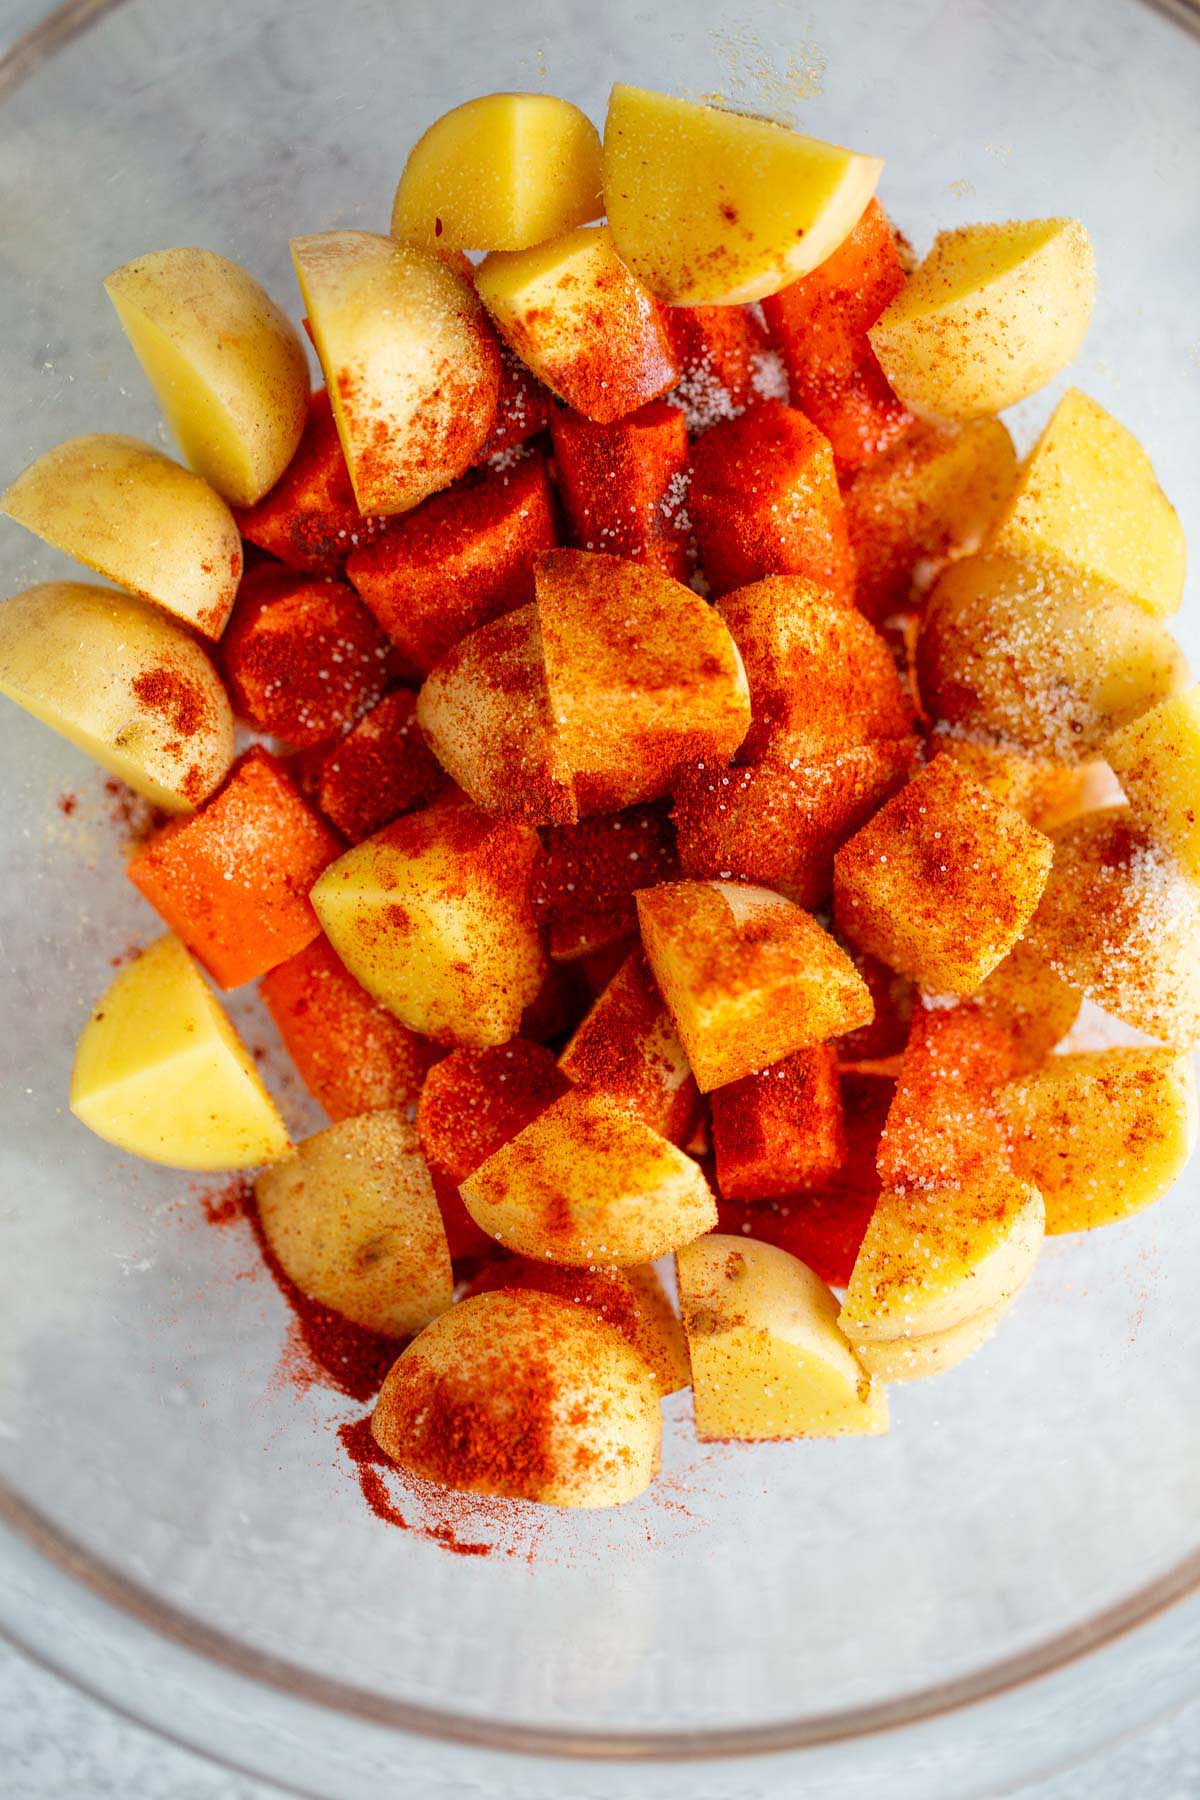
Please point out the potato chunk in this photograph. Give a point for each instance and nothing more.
(583, 323)
(227, 365)
(432, 916)
(526, 1396)
(643, 676)
(1121, 922)
(713, 206)
(160, 1071)
(628, 1050)
(352, 1217)
(915, 1358)
(768, 1359)
(499, 173)
(135, 517)
(122, 682)
(942, 881)
(1102, 1133)
(1087, 500)
(587, 1183)
(412, 369)
(747, 977)
(991, 315)
(933, 1258)
(1156, 759)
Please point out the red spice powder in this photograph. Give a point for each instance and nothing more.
(67, 804)
(175, 696)
(369, 1460)
(583, 886)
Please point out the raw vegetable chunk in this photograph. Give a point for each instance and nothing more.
(1156, 759)
(627, 1049)
(382, 767)
(624, 486)
(310, 519)
(781, 1131)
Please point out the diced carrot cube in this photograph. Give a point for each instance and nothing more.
(819, 326)
(472, 1103)
(381, 769)
(624, 486)
(824, 1230)
(723, 357)
(584, 884)
(232, 880)
(781, 1131)
(943, 1127)
(782, 826)
(353, 1056)
(765, 501)
(627, 1049)
(302, 656)
(522, 410)
(461, 559)
(310, 519)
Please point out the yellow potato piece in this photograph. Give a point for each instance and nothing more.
(1120, 921)
(1156, 759)
(228, 367)
(711, 207)
(1043, 791)
(353, 1218)
(122, 681)
(137, 518)
(1087, 498)
(915, 1358)
(1102, 1133)
(412, 370)
(525, 1396)
(160, 1071)
(768, 1359)
(934, 1258)
(1040, 660)
(586, 1183)
(499, 173)
(1030, 1002)
(991, 315)
(747, 976)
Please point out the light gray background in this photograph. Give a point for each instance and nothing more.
(55, 1744)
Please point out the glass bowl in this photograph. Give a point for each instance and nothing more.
(980, 1596)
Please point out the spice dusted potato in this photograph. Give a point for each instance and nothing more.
(160, 1071)
(712, 206)
(123, 683)
(747, 976)
(768, 1359)
(350, 1053)
(1120, 922)
(627, 1050)
(821, 678)
(382, 767)
(823, 1231)
(352, 1218)
(781, 1131)
(819, 326)
(631, 1301)
(499, 173)
(1102, 1133)
(725, 362)
(1087, 501)
(432, 915)
(933, 1258)
(412, 370)
(526, 1396)
(780, 826)
(1156, 759)
(1031, 1004)
(932, 1353)
(624, 486)
(310, 519)
(227, 366)
(472, 1103)
(302, 656)
(1040, 661)
(588, 1183)
(585, 882)
(942, 882)
(643, 676)
(991, 315)
(943, 1127)
(934, 493)
(1043, 791)
(575, 314)
(135, 517)
(764, 500)
(485, 713)
(522, 410)
(462, 559)
(232, 881)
